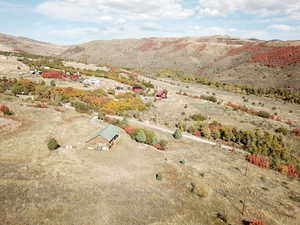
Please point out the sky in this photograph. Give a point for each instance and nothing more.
(76, 21)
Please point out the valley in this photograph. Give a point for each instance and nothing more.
(202, 134)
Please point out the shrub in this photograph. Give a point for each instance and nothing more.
(52, 83)
(296, 131)
(111, 91)
(52, 144)
(264, 114)
(101, 116)
(201, 190)
(215, 134)
(18, 89)
(288, 170)
(197, 133)
(209, 98)
(140, 136)
(158, 176)
(282, 130)
(181, 125)
(154, 140)
(5, 110)
(257, 160)
(80, 107)
(256, 222)
(129, 130)
(150, 137)
(177, 134)
(205, 131)
(226, 134)
(163, 143)
(198, 117)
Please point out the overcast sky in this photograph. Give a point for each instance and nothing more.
(77, 21)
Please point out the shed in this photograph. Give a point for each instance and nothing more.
(161, 94)
(110, 133)
(106, 138)
(137, 89)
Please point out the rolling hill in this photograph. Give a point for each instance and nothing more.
(220, 58)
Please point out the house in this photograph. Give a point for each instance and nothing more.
(162, 94)
(137, 89)
(106, 138)
(92, 81)
(54, 75)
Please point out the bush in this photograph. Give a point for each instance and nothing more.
(181, 125)
(282, 130)
(198, 117)
(296, 131)
(19, 89)
(264, 114)
(80, 107)
(52, 144)
(256, 222)
(258, 161)
(163, 143)
(215, 134)
(199, 189)
(52, 83)
(150, 137)
(177, 134)
(111, 91)
(205, 132)
(5, 110)
(129, 130)
(123, 122)
(140, 136)
(209, 98)
(101, 116)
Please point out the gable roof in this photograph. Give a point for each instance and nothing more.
(109, 132)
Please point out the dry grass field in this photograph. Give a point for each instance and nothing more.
(82, 186)
(191, 183)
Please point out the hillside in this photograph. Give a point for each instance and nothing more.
(248, 62)
(218, 58)
(22, 44)
(184, 54)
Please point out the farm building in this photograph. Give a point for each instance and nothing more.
(106, 138)
(54, 75)
(137, 89)
(161, 94)
(92, 81)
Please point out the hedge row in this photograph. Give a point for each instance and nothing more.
(258, 142)
(96, 100)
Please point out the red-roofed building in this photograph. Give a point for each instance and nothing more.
(53, 75)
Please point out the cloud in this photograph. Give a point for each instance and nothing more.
(101, 11)
(284, 27)
(234, 32)
(264, 8)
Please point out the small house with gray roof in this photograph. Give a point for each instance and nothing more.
(106, 138)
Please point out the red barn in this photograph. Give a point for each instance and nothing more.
(161, 94)
(53, 75)
(137, 89)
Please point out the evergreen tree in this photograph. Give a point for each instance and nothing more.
(177, 134)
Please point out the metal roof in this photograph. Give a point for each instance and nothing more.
(109, 132)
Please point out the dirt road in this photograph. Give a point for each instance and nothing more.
(184, 135)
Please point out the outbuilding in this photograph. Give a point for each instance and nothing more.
(106, 138)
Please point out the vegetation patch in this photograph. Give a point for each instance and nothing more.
(53, 144)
